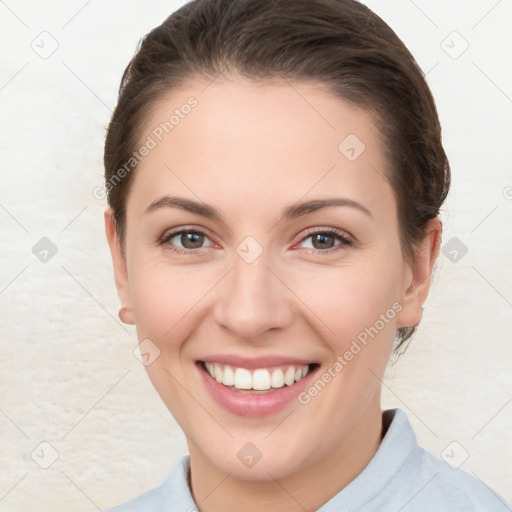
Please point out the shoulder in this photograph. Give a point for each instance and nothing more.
(172, 494)
(448, 488)
(425, 482)
(150, 501)
(404, 476)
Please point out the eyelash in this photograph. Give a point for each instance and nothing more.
(342, 237)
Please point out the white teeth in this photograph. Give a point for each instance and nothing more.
(243, 379)
(229, 376)
(260, 379)
(289, 376)
(277, 380)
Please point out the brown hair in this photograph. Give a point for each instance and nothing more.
(340, 44)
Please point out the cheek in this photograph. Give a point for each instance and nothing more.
(169, 302)
(162, 297)
(346, 302)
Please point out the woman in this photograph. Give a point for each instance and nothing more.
(275, 173)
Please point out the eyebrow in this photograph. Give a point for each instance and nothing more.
(291, 212)
(299, 209)
(185, 204)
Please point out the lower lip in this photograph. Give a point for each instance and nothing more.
(253, 405)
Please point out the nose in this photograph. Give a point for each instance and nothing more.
(253, 299)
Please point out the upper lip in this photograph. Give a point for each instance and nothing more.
(254, 362)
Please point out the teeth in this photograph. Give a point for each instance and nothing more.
(260, 379)
(228, 377)
(243, 379)
(277, 379)
(289, 376)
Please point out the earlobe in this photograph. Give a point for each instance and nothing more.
(417, 278)
(120, 270)
(126, 315)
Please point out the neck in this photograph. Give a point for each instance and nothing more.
(308, 489)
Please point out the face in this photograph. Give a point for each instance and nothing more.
(262, 262)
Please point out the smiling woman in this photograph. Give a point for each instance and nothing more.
(274, 246)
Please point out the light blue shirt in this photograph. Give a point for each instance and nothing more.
(401, 477)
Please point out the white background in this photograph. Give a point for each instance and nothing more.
(68, 373)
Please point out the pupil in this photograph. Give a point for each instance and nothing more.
(192, 240)
(325, 241)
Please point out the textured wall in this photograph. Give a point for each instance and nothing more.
(68, 374)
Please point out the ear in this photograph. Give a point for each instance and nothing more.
(417, 276)
(120, 269)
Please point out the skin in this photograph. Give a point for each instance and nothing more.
(250, 150)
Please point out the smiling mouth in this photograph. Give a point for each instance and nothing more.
(258, 380)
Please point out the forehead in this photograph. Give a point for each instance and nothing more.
(234, 140)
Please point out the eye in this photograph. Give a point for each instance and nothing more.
(185, 240)
(326, 241)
